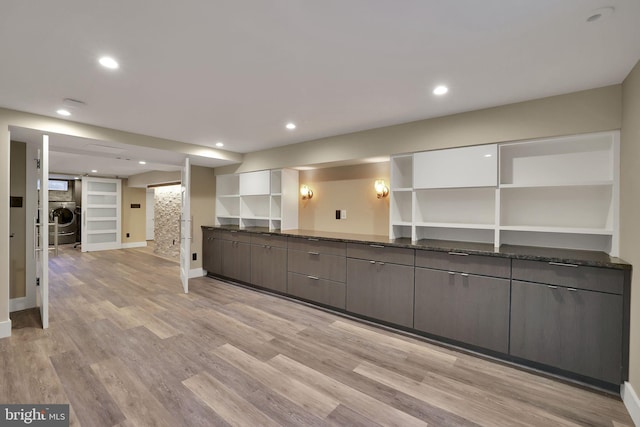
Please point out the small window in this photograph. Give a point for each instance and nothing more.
(56, 185)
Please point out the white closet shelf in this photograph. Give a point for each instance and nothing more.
(403, 223)
(559, 184)
(102, 231)
(255, 217)
(229, 216)
(276, 194)
(101, 218)
(567, 230)
(229, 196)
(455, 225)
(401, 189)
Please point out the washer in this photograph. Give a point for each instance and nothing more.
(67, 221)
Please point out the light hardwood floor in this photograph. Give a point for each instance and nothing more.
(126, 347)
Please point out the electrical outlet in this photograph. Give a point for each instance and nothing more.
(343, 214)
(194, 256)
(128, 235)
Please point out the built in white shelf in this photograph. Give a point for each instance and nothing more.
(554, 192)
(258, 199)
(567, 230)
(456, 225)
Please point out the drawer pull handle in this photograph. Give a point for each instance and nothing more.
(233, 231)
(313, 240)
(562, 264)
(313, 253)
(267, 235)
(552, 287)
(572, 289)
(372, 262)
(376, 246)
(464, 274)
(458, 253)
(381, 263)
(313, 277)
(451, 273)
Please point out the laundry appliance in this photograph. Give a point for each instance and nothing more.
(67, 221)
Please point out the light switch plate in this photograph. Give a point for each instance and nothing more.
(343, 214)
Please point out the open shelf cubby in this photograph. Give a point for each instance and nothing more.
(402, 172)
(456, 205)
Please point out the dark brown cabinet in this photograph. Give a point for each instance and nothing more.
(212, 252)
(317, 270)
(573, 329)
(463, 307)
(380, 283)
(269, 262)
(236, 256)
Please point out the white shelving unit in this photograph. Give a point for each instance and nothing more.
(401, 197)
(561, 192)
(265, 199)
(555, 192)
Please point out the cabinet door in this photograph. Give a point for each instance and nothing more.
(464, 307)
(212, 256)
(236, 260)
(380, 291)
(456, 167)
(269, 267)
(575, 330)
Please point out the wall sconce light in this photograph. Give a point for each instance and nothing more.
(381, 189)
(306, 192)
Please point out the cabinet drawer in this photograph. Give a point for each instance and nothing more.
(235, 236)
(324, 266)
(569, 275)
(319, 290)
(381, 253)
(269, 240)
(311, 244)
(465, 263)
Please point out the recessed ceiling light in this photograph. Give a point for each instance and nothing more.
(94, 171)
(291, 126)
(440, 90)
(219, 144)
(63, 112)
(600, 14)
(142, 162)
(108, 62)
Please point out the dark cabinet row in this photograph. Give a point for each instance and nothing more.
(564, 316)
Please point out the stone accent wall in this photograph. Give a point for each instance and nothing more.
(167, 202)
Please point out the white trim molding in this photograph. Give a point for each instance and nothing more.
(5, 329)
(134, 245)
(631, 401)
(197, 272)
(18, 304)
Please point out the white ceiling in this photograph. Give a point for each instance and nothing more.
(237, 71)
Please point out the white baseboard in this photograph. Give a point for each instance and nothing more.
(5, 329)
(18, 304)
(631, 401)
(197, 272)
(134, 245)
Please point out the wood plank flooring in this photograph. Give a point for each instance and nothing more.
(126, 347)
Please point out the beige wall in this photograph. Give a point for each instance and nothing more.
(350, 188)
(134, 220)
(630, 207)
(143, 180)
(203, 201)
(18, 220)
(579, 112)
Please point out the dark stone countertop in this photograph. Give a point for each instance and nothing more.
(567, 256)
